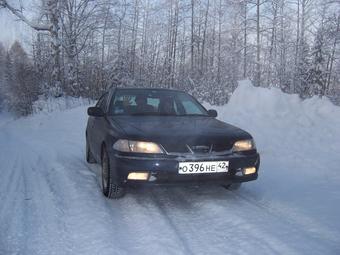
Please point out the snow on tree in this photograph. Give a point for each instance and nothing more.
(2, 73)
(317, 74)
(203, 47)
(21, 84)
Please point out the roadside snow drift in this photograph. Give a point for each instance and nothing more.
(51, 201)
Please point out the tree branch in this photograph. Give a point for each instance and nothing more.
(19, 14)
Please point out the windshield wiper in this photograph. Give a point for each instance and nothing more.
(194, 114)
(145, 114)
(166, 114)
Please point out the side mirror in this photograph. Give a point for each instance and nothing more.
(95, 112)
(212, 113)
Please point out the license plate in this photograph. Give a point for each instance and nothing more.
(203, 167)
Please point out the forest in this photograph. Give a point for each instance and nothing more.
(79, 48)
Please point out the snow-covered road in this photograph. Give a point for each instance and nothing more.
(51, 203)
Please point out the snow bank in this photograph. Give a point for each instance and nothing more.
(272, 104)
(299, 143)
(277, 119)
(51, 104)
(268, 113)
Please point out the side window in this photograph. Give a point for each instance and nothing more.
(154, 102)
(190, 107)
(179, 107)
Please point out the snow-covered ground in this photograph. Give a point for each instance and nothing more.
(5, 117)
(51, 203)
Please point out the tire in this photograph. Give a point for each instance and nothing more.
(89, 156)
(111, 188)
(233, 186)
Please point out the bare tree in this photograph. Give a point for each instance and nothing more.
(52, 26)
(258, 46)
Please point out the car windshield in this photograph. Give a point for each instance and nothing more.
(155, 102)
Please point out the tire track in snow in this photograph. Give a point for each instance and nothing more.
(144, 225)
(37, 223)
(11, 235)
(301, 223)
(248, 228)
(155, 210)
(95, 220)
(141, 228)
(211, 234)
(8, 173)
(48, 207)
(35, 207)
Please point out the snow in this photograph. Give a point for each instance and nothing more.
(51, 201)
(5, 117)
(51, 104)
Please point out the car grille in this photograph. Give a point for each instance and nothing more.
(201, 148)
(176, 148)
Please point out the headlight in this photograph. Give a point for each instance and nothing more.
(137, 146)
(244, 145)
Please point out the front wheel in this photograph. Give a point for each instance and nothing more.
(111, 187)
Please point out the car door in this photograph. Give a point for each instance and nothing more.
(98, 127)
(90, 132)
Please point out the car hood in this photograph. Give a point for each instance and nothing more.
(171, 131)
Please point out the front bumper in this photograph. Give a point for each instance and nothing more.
(164, 170)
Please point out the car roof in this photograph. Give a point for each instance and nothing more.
(138, 88)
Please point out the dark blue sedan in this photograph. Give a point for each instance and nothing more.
(164, 136)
